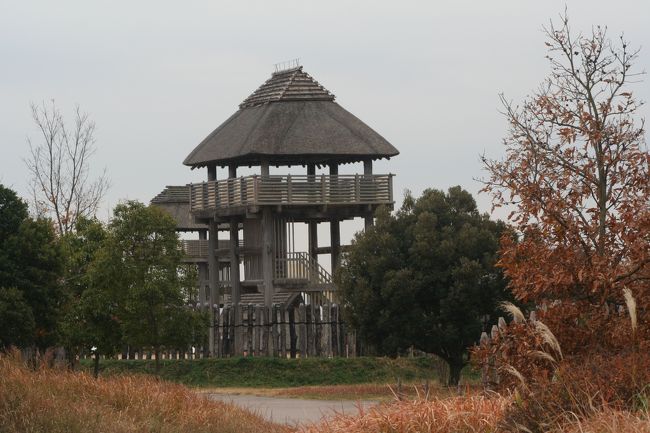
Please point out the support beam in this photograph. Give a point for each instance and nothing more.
(213, 275)
(264, 168)
(367, 166)
(335, 227)
(212, 172)
(312, 226)
(267, 255)
(369, 219)
(335, 235)
(203, 276)
(232, 171)
(235, 284)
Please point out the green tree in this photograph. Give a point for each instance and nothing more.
(31, 262)
(89, 316)
(92, 325)
(425, 277)
(17, 324)
(139, 265)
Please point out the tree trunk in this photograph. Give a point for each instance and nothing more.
(96, 369)
(455, 367)
(72, 357)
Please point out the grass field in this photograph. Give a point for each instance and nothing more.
(281, 373)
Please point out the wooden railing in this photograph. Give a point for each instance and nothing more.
(195, 248)
(198, 248)
(301, 266)
(292, 190)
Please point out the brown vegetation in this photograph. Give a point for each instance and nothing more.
(52, 401)
(457, 414)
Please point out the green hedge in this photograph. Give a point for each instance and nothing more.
(277, 372)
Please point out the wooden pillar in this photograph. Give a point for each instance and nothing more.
(235, 293)
(367, 170)
(335, 235)
(335, 229)
(235, 286)
(213, 283)
(212, 172)
(312, 226)
(264, 168)
(203, 275)
(267, 256)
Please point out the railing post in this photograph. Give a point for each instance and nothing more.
(289, 188)
(323, 194)
(357, 189)
(255, 190)
(390, 188)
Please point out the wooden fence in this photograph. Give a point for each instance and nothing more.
(303, 331)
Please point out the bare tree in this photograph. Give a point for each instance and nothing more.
(62, 187)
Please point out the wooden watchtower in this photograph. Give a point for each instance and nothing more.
(290, 120)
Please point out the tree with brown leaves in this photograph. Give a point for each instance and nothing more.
(576, 173)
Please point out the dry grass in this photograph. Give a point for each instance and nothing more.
(456, 414)
(608, 421)
(369, 392)
(55, 401)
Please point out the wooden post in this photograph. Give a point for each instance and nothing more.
(265, 331)
(367, 171)
(235, 285)
(274, 330)
(218, 347)
(249, 330)
(213, 275)
(335, 234)
(326, 335)
(232, 332)
(267, 256)
(313, 331)
(312, 226)
(283, 332)
(334, 326)
(203, 276)
(258, 330)
(292, 332)
(302, 330)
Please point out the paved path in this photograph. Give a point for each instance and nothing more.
(292, 410)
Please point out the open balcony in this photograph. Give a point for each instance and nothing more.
(290, 190)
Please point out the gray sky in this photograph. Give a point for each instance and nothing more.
(158, 76)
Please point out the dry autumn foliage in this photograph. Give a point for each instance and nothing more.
(467, 414)
(576, 173)
(58, 401)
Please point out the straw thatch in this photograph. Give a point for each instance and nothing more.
(175, 200)
(290, 119)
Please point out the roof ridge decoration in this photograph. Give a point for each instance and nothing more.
(288, 85)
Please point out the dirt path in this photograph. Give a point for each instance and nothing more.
(292, 410)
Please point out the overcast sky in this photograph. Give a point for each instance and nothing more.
(158, 76)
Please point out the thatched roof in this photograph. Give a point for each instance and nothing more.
(290, 119)
(175, 200)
